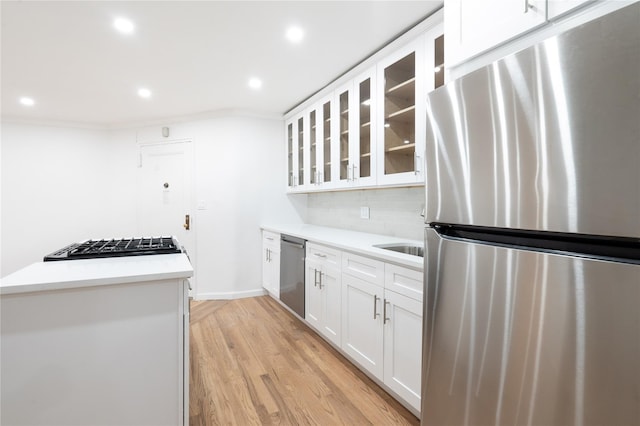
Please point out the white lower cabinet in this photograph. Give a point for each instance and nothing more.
(323, 291)
(271, 263)
(403, 346)
(381, 328)
(362, 331)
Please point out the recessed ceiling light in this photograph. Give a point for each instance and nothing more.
(255, 83)
(27, 101)
(123, 25)
(144, 93)
(295, 34)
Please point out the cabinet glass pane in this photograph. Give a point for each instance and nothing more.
(400, 115)
(326, 114)
(290, 154)
(365, 128)
(300, 148)
(344, 136)
(438, 60)
(313, 145)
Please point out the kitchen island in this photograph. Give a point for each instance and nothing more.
(96, 341)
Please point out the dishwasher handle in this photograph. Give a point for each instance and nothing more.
(293, 241)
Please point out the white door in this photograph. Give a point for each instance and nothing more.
(164, 194)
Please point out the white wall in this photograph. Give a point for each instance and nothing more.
(55, 191)
(63, 185)
(240, 175)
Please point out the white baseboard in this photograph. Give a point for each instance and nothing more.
(230, 295)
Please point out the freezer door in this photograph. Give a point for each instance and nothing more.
(546, 139)
(524, 337)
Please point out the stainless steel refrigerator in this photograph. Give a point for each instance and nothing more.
(532, 267)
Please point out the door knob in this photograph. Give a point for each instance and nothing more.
(187, 222)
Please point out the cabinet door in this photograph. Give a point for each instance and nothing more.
(292, 153)
(403, 346)
(344, 134)
(331, 290)
(363, 151)
(327, 140)
(402, 115)
(434, 58)
(274, 261)
(301, 178)
(556, 8)
(271, 263)
(362, 332)
(312, 294)
(315, 135)
(475, 26)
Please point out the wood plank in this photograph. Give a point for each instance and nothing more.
(253, 362)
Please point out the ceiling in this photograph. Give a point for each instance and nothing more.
(196, 57)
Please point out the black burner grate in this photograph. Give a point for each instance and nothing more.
(91, 249)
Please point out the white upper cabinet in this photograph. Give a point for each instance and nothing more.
(481, 32)
(474, 26)
(368, 128)
(556, 8)
(401, 134)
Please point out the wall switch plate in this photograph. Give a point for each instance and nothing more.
(202, 205)
(364, 212)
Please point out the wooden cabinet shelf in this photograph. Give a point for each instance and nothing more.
(406, 113)
(403, 89)
(401, 148)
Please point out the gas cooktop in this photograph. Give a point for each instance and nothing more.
(92, 249)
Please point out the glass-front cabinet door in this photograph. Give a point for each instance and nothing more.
(343, 101)
(313, 148)
(434, 58)
(401, 138)
(364, 166)
(300, 173)
(295, 133)
(319, 144)
(292, 158)
(326, 140)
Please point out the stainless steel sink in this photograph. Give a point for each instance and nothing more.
(405, 248)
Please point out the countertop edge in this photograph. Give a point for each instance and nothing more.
(49, 276)
(353, 241)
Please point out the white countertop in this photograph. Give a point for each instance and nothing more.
(357, 242)
(66, 274)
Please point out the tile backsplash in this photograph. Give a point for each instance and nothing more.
(393, 211)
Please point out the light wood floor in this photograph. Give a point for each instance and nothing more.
(253, 363)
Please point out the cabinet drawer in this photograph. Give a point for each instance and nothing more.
(365, 268)
(405, 281)
(323, 255)
(271, 239)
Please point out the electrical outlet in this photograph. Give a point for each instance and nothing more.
(364, 212)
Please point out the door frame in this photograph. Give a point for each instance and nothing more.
(190, 161)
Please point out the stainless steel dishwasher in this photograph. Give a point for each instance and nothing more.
(292, 254)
